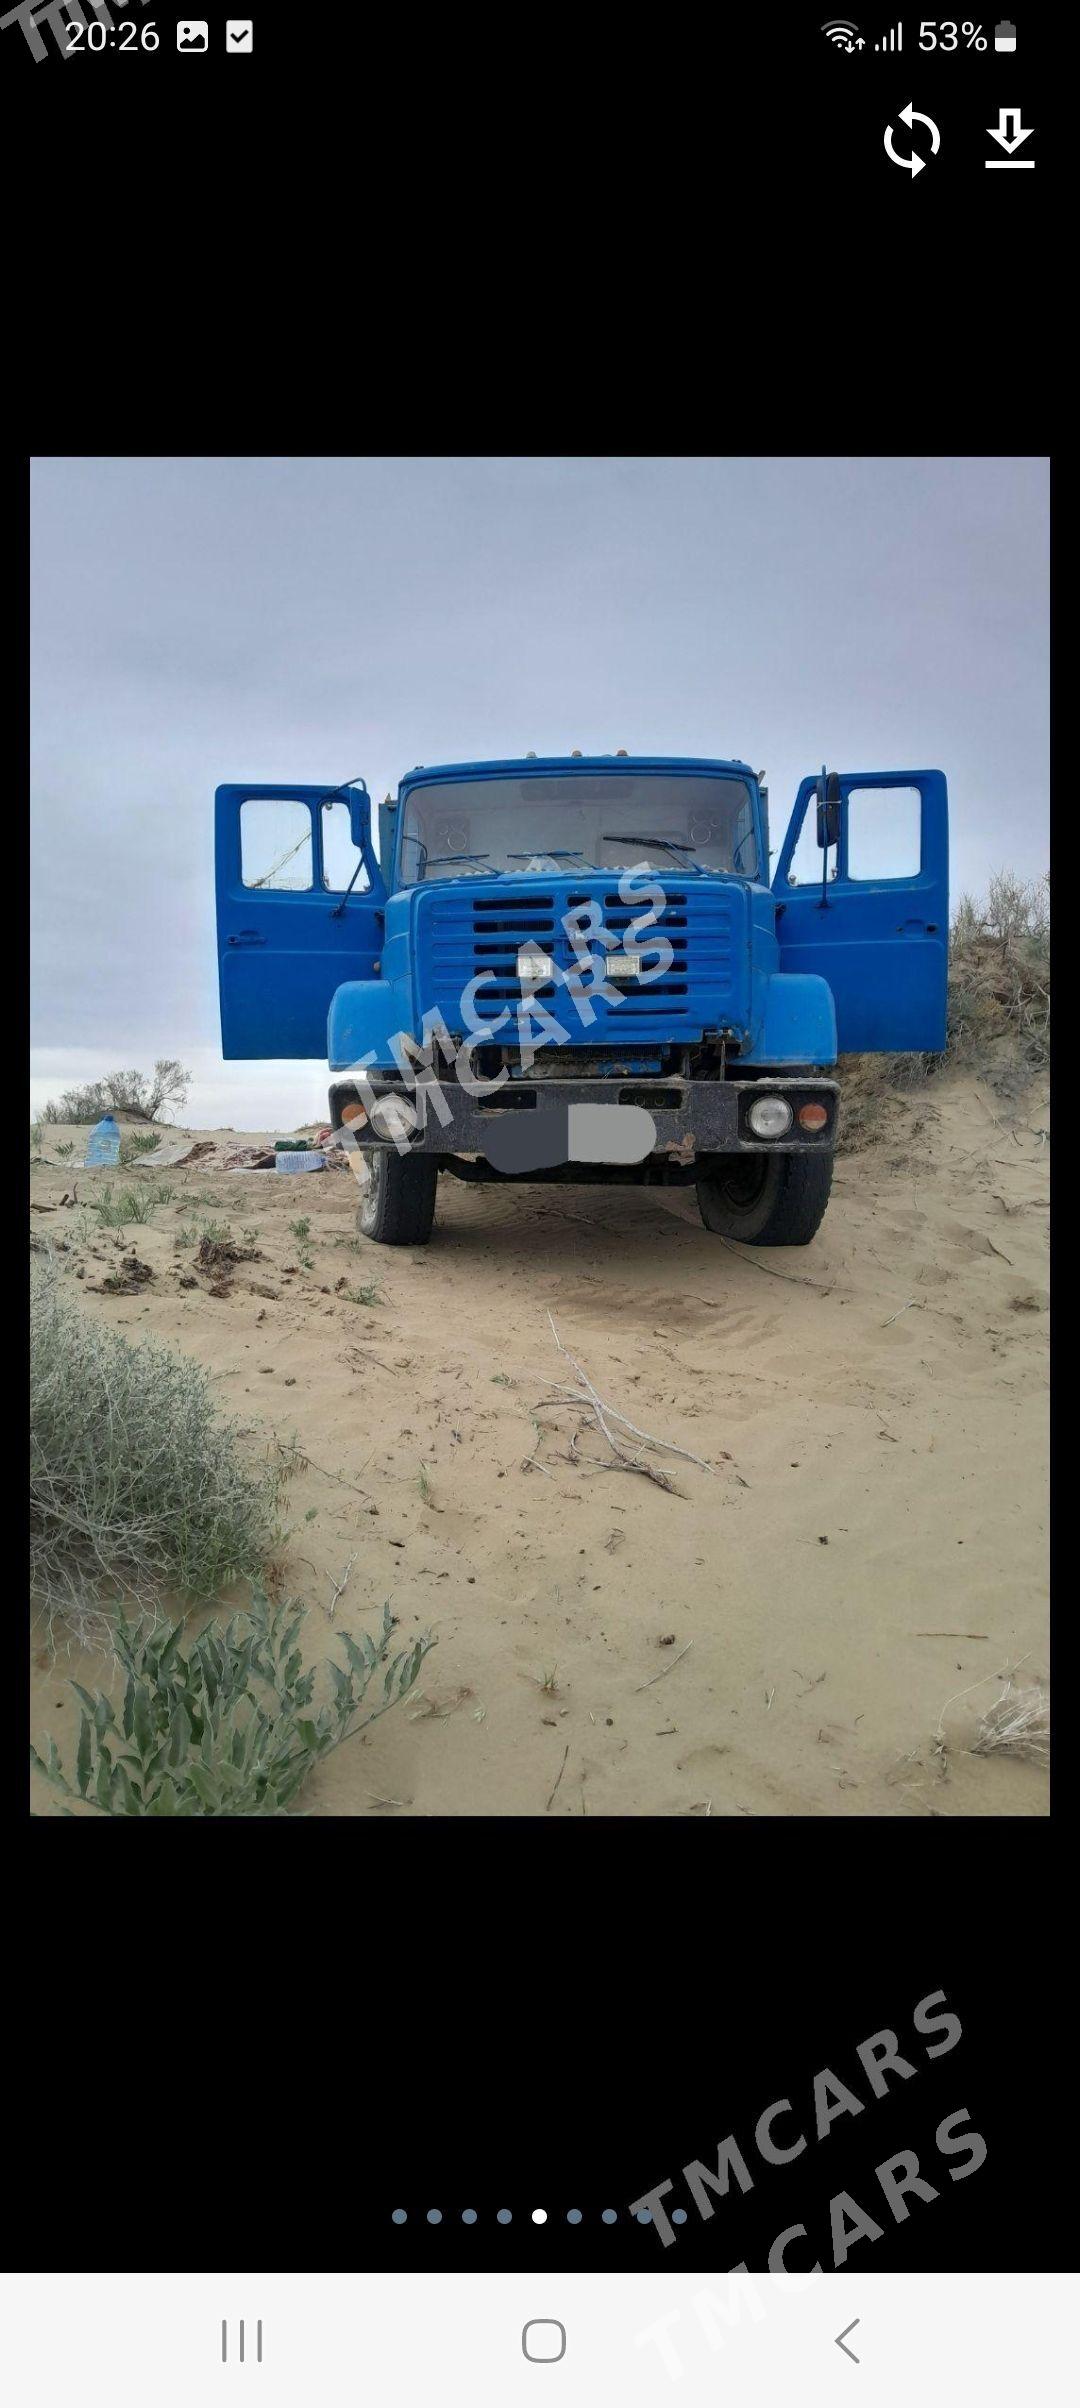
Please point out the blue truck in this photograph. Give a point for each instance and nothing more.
(578, 968)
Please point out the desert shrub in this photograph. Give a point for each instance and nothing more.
(137, 1481)
(147, 1095)
(967, 926)
(999, 980)
(1017, 910)
(229, 1727)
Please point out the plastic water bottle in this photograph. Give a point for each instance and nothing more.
(103, 1143)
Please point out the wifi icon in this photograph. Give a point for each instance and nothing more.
(843, 35)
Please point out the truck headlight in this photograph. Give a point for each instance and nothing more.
(533, 964)
(770, 1116)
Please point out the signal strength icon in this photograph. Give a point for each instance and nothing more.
(893, 40)
(842, 34)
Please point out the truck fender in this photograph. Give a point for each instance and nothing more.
(799, 1023)
(363, 1018)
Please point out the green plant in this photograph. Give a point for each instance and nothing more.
(424, 1485)
(132, 1204)
(500, 1379)
(227, 1728)
(108, 1209)
(66, 1150)
(136, 1479)
(135, 1144)
(301, 1228)
(368, 1295)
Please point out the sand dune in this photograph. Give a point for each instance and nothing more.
(779, 1635)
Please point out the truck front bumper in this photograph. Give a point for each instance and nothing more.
(536, 1125)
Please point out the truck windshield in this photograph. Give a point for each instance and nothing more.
(514, 827)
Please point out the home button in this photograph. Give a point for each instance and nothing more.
(543, 2341)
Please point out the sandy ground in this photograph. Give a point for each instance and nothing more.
(783, 1635)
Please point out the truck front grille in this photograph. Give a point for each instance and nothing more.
(465, 935)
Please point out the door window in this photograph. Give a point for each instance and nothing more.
(275, 844)
(884, 832)
(341, 857)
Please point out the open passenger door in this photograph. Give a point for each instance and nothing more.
(299, 910)
(863, 889)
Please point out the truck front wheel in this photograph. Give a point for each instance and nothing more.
(398, 1204)
(766, 1199)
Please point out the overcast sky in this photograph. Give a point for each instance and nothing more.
(307, 620)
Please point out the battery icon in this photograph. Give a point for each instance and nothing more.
(1005, 36)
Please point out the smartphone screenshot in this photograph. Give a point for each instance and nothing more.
(532, 549)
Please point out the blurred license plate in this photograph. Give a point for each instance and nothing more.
(623, 965)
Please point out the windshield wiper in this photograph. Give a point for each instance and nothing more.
(436, 861)
(671, 844)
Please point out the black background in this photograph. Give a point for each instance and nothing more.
(288, 2041)
(590, 225)
(606, 2054)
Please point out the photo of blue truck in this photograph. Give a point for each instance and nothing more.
(580, 969)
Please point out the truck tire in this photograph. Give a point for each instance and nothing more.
(766, 1199)
(398, 1204)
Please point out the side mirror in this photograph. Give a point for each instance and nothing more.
(828, 813)
(357, 801)
(360, 818)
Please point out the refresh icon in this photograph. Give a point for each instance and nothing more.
(911, 117)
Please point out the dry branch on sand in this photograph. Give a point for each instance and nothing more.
(1018, 1724)
(585, 1398)
(665, 1668)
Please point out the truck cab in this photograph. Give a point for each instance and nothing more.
(580, 969)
